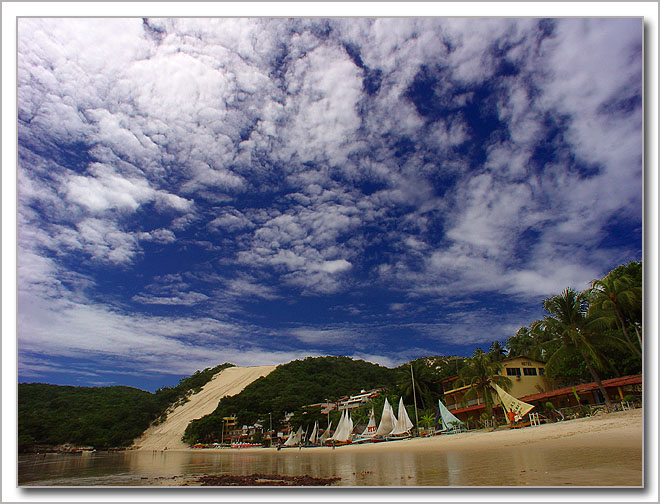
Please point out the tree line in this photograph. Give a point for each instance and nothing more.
(101, 417)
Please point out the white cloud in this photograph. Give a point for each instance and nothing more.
(255, 143)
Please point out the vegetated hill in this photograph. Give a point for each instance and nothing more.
(91, 416)
(101, 417)
(289, 387)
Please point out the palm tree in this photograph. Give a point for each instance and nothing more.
(428, 419)
(520, 343)
(567, 323)
(496, 351)
(425, 383)
(482, 374)
(611, 299)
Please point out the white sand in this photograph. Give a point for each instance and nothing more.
(622, 429)
(227, 382)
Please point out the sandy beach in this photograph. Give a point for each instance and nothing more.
(602, 451)
(621, 429)
(605, 450)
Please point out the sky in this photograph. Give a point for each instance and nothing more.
(200, 191)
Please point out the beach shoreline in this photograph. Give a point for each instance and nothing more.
(622, 428)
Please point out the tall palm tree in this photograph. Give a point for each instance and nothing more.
(611, 299)
(529, 341)
(482, 373)
(496, 351)
(425, 383)
(567, 323)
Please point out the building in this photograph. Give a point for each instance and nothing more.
(355, 401)
(530, 385)
(527, 377)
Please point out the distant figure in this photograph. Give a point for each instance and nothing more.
(164, 448)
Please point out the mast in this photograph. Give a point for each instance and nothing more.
(412, 378)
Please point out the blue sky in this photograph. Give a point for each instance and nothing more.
(196, 191)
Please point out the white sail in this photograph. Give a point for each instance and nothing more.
(294, 439)
(387, 421)
(326, 435)
(510, 403)
(340, 426)
(449, 421)
(289, 441)
(370, 431)
(344, 430)
(314, 434)
(403, 424)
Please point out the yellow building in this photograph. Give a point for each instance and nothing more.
(527, 377)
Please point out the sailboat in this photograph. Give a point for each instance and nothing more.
(326, 435)
(387, 421)
(370, 431)
(450, 424)
(344, 432)
(314, 435)
(294, 439)
(403, 425)
(514, 409)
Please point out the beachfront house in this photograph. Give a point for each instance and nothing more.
(530, 384)
(527, 377)
(355, 401)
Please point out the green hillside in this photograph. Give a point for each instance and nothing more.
(101, 417)
(91, 416)
(289, 387)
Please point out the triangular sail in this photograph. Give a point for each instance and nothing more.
(370, 431)
(326, 434)
(340, 426)
(510, 403)
(314, 434)
(403, 424)
(299, 435)
(387, 421)
(344, 430)
(291, 439)
(449, 421)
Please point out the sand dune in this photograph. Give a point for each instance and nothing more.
(230, 381)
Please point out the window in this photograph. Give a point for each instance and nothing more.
(529, 371)
(513, 371)
(541, 371)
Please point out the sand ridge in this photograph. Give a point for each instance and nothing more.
(227, 382)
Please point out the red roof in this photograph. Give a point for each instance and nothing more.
(585, 387)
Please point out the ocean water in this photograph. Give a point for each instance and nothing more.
(494, 467)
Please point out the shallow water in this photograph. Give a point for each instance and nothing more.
(502, 467)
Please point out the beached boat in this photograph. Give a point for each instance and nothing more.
(514, 409)
(369, 432)
(450, 424)
(326, 435)
(344, 432)
(294, 439)
(313, 437)
(403, 426)
(387, 422)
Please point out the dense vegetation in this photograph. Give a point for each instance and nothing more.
(91, 416)
(101, 417)
(590, 335)
(287, 388)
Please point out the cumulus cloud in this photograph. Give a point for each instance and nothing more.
(229, 169)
